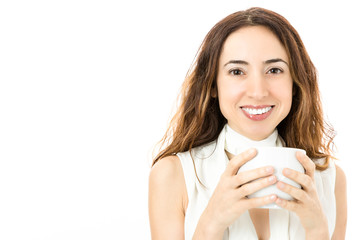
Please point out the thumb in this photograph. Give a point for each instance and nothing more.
(239, 160)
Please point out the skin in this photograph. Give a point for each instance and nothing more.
(254, 83)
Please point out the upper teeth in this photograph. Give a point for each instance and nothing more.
(254, 111)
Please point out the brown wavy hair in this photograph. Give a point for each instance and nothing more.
(198, 119)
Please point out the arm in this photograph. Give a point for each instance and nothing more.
(341, 205)
(167, 199)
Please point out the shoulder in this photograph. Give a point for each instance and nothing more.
(336, 174)
(166, 171)
(341, 204)
(167, 199)
(165, 166)
(340, 185)
(166, 177)
(340, 176)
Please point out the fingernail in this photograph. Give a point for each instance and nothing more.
(272, 179)
(269, 169)
(281, 185)
(300, 153)
(272, 197)
(278, 201)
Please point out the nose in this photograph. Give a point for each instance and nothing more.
(257, 87)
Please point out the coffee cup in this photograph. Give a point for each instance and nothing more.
(279, 158)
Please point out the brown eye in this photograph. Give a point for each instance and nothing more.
(236, 72)
(275, 71)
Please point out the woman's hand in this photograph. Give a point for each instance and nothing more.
(229, 199)
(306, 203)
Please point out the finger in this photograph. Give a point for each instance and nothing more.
(288, 205)
(255, 186)
(236, 162)
(260, 201)
(307, 163)
(295, 192)
(251, 175)
(304, 180)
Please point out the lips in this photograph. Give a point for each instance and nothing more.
(257, 113)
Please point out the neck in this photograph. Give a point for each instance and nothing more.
(235, 143)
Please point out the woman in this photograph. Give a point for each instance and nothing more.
(254, 79)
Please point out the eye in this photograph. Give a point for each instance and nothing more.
(236, 72)
(275, 71)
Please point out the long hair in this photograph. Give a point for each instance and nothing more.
(198, 119)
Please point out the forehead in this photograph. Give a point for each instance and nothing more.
(254, 43)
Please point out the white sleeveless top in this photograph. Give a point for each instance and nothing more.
(211, 161)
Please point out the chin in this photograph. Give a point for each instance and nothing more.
(254, 130)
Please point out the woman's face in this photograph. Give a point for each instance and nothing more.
(254, 82)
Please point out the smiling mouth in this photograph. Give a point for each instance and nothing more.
(257, 113)
(256, 110)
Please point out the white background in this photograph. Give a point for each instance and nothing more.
(87, 89)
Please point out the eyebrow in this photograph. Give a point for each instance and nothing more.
(274, 60)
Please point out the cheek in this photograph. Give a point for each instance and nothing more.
(229, 91)
(284, 92)
(229, 96)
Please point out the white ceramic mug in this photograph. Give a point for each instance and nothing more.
(279, 158)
